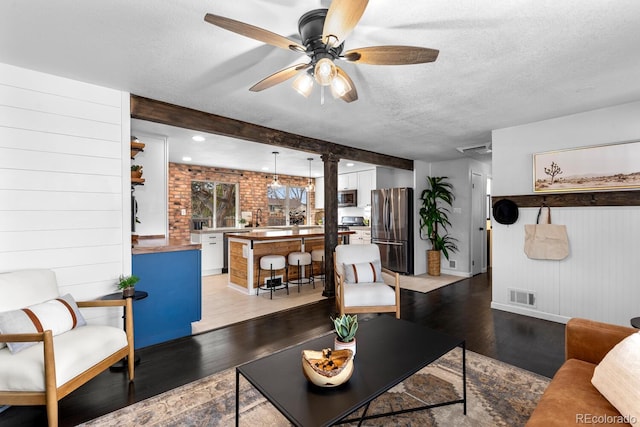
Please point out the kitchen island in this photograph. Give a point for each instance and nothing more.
(169, 271)
(245, 250)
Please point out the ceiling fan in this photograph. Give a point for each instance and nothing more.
(323, 32)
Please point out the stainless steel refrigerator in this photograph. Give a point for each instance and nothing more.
(392, 227)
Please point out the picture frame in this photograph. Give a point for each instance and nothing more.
(600, 167)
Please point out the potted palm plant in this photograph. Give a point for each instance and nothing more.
(346, 327)
(434, 220)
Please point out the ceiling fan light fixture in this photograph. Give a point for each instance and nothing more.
(325, 71)
(303, 84)
(340, 86)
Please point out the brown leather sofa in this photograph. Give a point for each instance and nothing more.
(571, 399)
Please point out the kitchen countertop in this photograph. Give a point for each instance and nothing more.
(283, 234)
(228, 230)
(161, 244)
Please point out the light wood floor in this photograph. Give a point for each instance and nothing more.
(222, 306)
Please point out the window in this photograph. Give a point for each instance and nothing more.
(214, 204)
(287, 205)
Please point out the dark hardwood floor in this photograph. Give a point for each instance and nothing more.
(461, 309)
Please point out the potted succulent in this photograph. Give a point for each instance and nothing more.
(127, 285)
(136, 171)
(434, 220)
(345, 327)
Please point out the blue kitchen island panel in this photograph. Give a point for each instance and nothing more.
(173, 281)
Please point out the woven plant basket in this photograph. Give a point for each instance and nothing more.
(433, 263)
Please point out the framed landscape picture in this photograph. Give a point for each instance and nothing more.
(602, 167)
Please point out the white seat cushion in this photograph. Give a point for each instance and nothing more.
(317, 255)
(304, 258)
(368, 294)
(275, 261)
(75, 351)
(35, 286)
(353, 254)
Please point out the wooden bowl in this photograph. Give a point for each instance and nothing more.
(327, 368)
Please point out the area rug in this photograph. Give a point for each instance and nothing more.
(498, 394)
(425, 283)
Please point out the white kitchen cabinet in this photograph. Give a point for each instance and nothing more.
(348, 181)
(212, 254)
(362, 236)
(366, 183)
(319, 193)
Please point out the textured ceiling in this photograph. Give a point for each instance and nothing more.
(501, 63)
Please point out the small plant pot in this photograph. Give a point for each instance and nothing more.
(339, 345)
(136, 174)
(128, 292)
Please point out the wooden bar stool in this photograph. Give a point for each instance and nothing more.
(301, 260)
(273, 263)
(317, 255)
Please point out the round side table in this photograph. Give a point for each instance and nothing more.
(122, 364)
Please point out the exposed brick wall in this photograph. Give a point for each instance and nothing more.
(253, 192)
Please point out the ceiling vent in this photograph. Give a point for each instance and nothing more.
(476, 149)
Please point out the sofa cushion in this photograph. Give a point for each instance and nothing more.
(75, 351)
(60, 315)
(36, 285)
(571, 395)
(617, 377)
(368, 294)
(366, 272)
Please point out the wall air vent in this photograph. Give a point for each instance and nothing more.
(522, 298)
(452, 263)
(476, 149)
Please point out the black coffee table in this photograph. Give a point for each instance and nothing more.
(389, 351)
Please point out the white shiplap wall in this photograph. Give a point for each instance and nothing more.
(64, 182)
(599, 280)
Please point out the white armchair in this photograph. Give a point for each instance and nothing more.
(362, 285)
(55, 355)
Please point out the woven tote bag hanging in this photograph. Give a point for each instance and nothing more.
(546, 241)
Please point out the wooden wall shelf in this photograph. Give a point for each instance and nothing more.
(137, 181)
(582, 199)
(136, 147)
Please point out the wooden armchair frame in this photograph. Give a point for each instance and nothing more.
(340, 307)
(53, 392)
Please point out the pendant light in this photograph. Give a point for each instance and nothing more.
(275, 183)
(310, 186)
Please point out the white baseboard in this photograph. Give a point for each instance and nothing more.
(455, 273)
(531, 313)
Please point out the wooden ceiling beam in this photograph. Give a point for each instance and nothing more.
(175, 115)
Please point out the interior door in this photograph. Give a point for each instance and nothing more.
(478, 223)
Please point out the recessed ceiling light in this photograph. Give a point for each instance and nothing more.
(198, 138)
(265, 168)
(350, 165)
(186, 159)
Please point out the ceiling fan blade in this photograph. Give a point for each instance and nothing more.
(391, 55)
(352, 94)
(278, 77)
(342, 17)
(253, 32)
